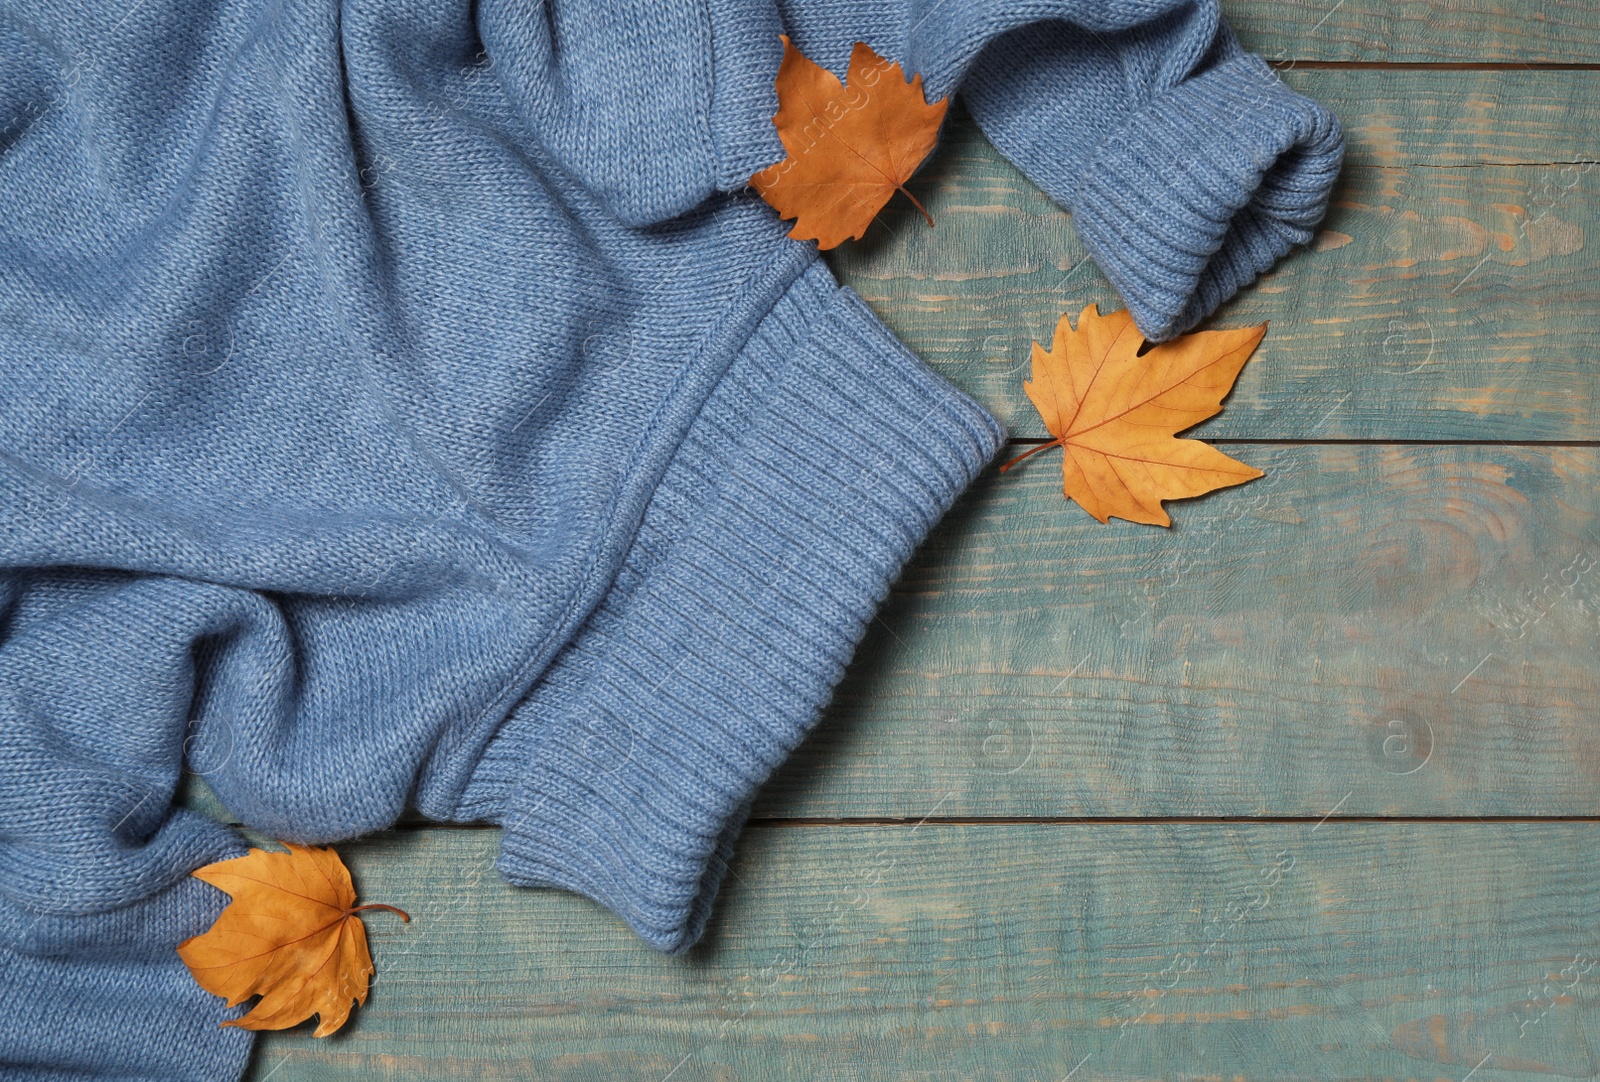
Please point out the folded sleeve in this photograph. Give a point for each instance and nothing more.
(821, 460)
(1188, 165)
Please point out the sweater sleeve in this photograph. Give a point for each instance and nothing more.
(1188, 165)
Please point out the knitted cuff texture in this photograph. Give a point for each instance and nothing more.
(1203, 189)
(823, 458)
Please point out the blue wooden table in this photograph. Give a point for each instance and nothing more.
(1305, 787)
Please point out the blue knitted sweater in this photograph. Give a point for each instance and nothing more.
(403, 401)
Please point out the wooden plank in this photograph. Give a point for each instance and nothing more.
(998, 952)
(1399, 118)
(1400, 630)
(1419, 31)
(1449, 296)
(1394, 630)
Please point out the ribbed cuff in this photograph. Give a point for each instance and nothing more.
(1205, 188)
(822, 459)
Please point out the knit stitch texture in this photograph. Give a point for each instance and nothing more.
(402, 402)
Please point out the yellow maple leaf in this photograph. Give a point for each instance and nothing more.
(1116, 414)
(290, 935)
(850, 146)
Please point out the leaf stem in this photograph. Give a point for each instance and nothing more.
(916, 204)
(1030, 454)
(379, 905)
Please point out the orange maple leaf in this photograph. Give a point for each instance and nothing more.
(290, 935)
(850, 147)
(1116, 414)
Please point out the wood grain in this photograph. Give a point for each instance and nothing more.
(998, 952)
(1413, 630)
(1449, 295)
(1399, 118)
(1419, 31)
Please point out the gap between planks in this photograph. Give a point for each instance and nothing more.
(1084, 821)
(1426, 65)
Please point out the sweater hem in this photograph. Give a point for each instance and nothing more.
(822, 458)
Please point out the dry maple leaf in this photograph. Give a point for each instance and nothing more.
(290, 935)
(851, 147)
(1116, 414)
